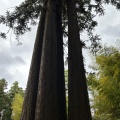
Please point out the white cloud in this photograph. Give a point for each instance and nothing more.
(15, 60)
(5, 1)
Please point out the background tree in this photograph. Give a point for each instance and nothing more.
(17, 106)
(105, 85)
(7, 97)
(15, 89)
(3, 98)
(5, 101)
(3, 87)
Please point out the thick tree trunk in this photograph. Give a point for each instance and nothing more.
(47, 103)
(60, 65)
(28, 110)
(78, 101)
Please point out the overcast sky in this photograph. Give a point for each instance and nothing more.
(15, 60)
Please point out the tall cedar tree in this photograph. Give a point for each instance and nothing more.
(78, 102)
(51, 90)
(29, 105)
(60, 72)
(60, 64)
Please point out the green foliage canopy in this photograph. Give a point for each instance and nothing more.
(105, 84)
(17, 106)
(9, 98)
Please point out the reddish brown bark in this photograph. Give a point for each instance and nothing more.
(78, 102)
(47, 103)
(60, 64)
(29, 105)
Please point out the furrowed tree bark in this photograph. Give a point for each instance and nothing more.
(78, 101)
(60, 64)
(47, 104)
(29, 105)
